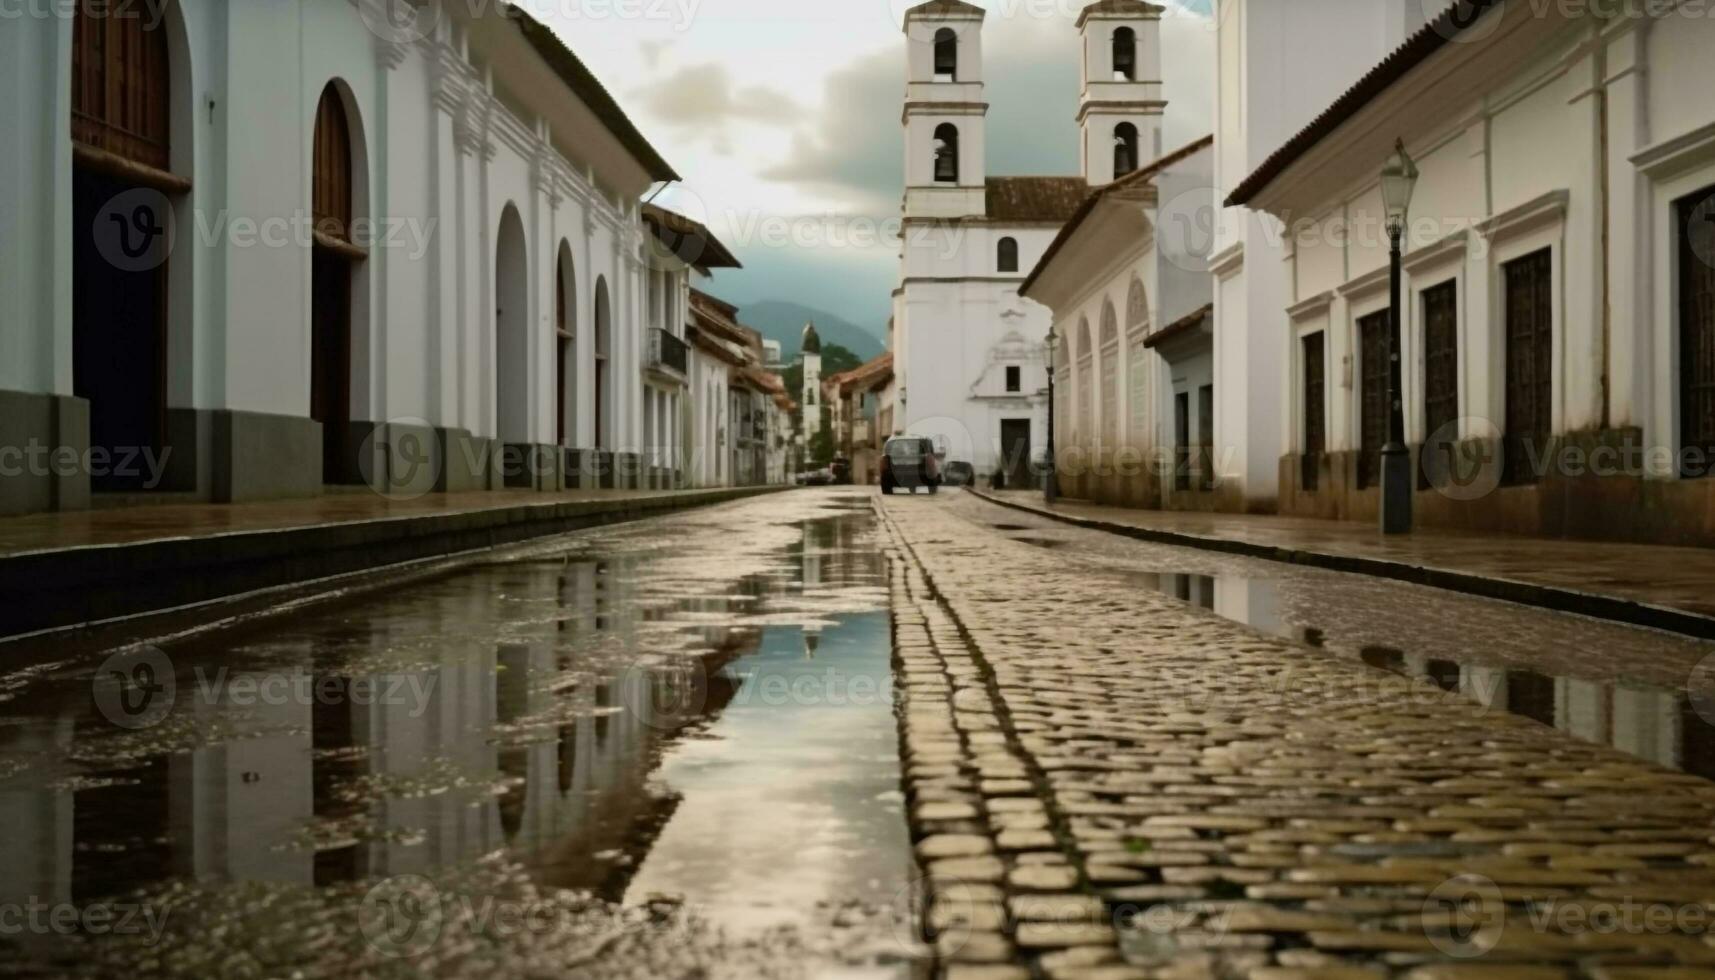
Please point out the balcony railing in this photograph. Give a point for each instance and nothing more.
(667, 352)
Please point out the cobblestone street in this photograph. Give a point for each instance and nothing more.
(1107, 782)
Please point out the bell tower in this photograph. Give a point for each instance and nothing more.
(944, 111)
(1120, 108)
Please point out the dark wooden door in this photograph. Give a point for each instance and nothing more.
(330, 289)
(1315, 410)
(1206, 435)
(1440, 375)
(119, 337)
(330, 360)
(1015, 451)
(120, 87)
(1182, 441)
(1529, 284)
(1697, 333)
(1374, 350)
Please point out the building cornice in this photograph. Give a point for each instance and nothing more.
(1542, 210)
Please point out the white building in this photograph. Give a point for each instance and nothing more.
(406, 254)
(968, 349)
(1558, 309)
(674, 416)
(1128, 282)
(1278, 66)
(810, 398)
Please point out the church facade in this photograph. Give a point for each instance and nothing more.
(969, 354)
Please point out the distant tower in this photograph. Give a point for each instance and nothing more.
(811, 348)
(945, 113)
(1120, 109)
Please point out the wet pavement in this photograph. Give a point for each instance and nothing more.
(1107, 779)
(1603, 682)
(664, 749)
(1655, 575)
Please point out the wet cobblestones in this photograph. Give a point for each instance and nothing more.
(1106, 783)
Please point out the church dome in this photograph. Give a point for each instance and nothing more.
(812, 343)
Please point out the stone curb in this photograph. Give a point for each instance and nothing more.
(48, 590)
(1592, 604)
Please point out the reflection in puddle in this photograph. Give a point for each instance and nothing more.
(1652, 722)
(537, 708)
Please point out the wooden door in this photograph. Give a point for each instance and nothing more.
(1374, 352)
(1315, 411)
(1529, 284)
(1697, 334)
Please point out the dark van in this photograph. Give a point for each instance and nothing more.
(909, 462)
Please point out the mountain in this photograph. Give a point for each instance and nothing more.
(784, 321)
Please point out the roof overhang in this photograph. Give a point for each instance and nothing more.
(532, 64)
(1422, 88)
(686, 241)
(1113, 231)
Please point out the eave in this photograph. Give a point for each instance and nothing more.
(1420, 90)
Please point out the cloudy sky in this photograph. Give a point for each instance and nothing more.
(784, 118)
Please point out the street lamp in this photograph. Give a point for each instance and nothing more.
(1399, 178)
(1050, 483)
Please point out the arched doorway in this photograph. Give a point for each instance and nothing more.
(603, 383)
(333, 262)
(511, 331)
(123, 202)
(566, 351)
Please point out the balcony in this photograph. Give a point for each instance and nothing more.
(667, 354)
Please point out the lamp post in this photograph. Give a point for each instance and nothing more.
(1050, 482)
(1399, 178)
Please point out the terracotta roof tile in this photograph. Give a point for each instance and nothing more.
(590, 91)
(1034, 198)
(688, 239)
(1091, 199)
(1459, 17)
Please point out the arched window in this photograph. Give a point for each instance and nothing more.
(1008, 259)
(332, 261)
(565, 328)
(1125, 149)
(512, 356)
(120, 85)
(603, 329)
(120, 218)
(946, 55)
(1125, 55)
(946, 154)
(1136, 305)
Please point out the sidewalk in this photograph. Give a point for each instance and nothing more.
(1644, 585)
(66, 569)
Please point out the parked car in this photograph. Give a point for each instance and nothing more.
(816, 478)
(841, 470)
(909, 462)
(959, 474)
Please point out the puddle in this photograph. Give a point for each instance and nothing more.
(681, 723)
(1661, 724)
